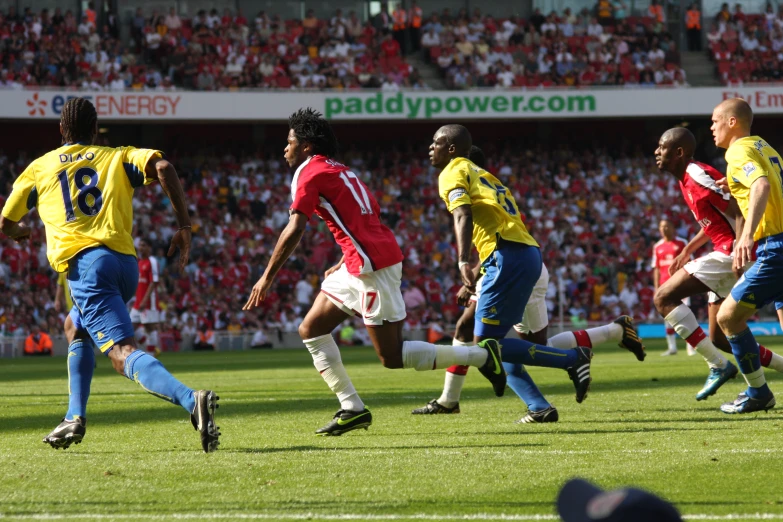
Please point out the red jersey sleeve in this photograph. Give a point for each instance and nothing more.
(305, 193)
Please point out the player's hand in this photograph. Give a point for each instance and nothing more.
(468, 278)
(738, 272)
(332, 270)
(679, 262)
(181, 240)
(260, 289)
(22, 233)
(463, 296)
(743, 252)
(723, 184)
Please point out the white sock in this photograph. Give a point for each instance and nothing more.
(152, 339)
(327, 360)
(563, 340)
(755, 379)
(685, 324)
(425, 356)
(776, 363)
(452, 389)
(671, 340)
(605, 333)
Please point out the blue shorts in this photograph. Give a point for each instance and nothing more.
(762, 283)
(101, 282)
(510, 273)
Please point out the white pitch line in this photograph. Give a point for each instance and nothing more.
(343, 516)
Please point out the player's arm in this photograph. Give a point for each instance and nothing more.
(463, 230)
(656, 277)
(22, 199)
(757, 204)
(286, 244)
(59, 298)
(698, 241)
(454, 189)
(163, 171)
(335, 268)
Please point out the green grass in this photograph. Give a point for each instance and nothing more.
(640, 425)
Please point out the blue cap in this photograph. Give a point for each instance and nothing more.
(580, 501)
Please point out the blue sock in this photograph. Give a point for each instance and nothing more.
(151, 375)
(746, 352)
(81, 363)
(517, 351)
(522, 383)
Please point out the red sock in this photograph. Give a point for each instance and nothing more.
(582, 339)
(765, 356)
(670, 331)
(696, 337)
(458, 370)
(150, 349)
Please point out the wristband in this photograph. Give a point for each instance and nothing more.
(186, 226)
(461, 264)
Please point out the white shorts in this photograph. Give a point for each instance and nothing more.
(715, 271)
(144, 316)
(376, 296)
(536, 316)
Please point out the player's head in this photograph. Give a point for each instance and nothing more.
(477, 157)
(309, 134)
(675, 150)
(145, 248)
(731, 120)
(451, 141)
(666, 229)
(78, 121)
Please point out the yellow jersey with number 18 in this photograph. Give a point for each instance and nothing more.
(495, 213)
(749, 159)
(83, 194)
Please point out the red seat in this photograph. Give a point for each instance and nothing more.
(435, 52)
(724, 67)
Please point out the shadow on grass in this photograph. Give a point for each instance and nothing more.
(470, 447)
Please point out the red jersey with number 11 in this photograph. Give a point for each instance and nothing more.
(339, 197)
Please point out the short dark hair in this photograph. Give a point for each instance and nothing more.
(309, 125)
(459, 136)
(681, 138)
(78, 120)
(477, 157)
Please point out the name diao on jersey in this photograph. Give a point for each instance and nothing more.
(69, 158)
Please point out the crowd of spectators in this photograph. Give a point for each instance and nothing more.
(210, 51)
(747, 47)
(594, 211)
(602, 47)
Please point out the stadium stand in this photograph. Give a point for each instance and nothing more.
(556, 50)
(747, 48)
(206, 52)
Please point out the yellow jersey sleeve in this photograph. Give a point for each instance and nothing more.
(454, 186)
(23, 197)
(748, 168)
(135, 162)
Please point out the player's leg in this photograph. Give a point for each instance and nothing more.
(622, 331)
(510, 276)
(759, 285)
(101, 282)
(668, 302)
(81, 364)
(316, 332)
(448, 402)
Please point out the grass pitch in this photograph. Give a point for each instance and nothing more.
(141, 459)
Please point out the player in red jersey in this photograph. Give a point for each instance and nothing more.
(716, 213)
(366, 281)
(145, 313)
(664, 253)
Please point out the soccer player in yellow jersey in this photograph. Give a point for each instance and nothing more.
(753, 173)
(486, 215)
(83, 194)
